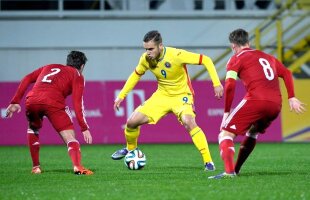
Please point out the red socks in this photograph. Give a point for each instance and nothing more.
(74, 153)
(34, 147)
(246, 147)
(227, 150)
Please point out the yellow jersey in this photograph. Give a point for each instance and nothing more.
(170, 71)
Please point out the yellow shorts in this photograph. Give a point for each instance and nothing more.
(159, 105)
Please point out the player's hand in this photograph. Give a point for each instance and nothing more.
(117, 103)
(224, 119)
(87, 137)
(11, 109)
(218, 90)
(296, 105)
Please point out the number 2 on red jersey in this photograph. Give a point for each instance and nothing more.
(54, 71)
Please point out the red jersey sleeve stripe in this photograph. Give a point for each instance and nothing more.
(200, 59)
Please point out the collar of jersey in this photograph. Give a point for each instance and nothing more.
(163, 55)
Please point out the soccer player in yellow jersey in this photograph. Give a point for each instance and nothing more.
(174, 94)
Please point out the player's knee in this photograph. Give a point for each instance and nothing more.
(220, 135)
(189, 123)
(67, 136)
(131, 124)
(253, 130)
(225, 135)
(134, 123)
(252, 135)
(190, 126)
(35, 127)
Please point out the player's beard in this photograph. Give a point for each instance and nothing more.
(152, 62)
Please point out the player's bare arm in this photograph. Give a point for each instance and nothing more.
(11, 109)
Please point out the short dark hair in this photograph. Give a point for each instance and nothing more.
(239, 37)
(76, 59)
(153, 35)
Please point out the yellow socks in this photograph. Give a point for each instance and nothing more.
(201, 144)
(132, 137)
(198, 137)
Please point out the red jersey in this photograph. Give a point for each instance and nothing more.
(52, 84)
(259, 73)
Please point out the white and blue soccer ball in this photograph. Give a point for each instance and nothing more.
(135, 159)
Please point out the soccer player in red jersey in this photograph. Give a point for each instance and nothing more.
(262, 103)
(52, 84)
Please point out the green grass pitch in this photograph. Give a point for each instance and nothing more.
(173, 171)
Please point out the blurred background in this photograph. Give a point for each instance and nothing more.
(34, 33)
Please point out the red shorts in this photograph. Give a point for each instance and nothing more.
(60, 118)
(257, 113)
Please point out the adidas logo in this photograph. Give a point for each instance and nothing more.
(233, 127)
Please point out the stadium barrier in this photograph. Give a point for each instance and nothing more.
(107, 125)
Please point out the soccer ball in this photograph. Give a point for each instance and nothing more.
(135, 159)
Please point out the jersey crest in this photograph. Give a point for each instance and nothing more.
(167, 64)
